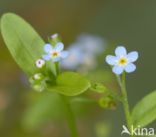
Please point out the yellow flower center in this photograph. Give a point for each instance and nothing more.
(122, 61)
(55, 54)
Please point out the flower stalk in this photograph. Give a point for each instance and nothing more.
(121, 63)
(70, 116)
(68, 110)
(122, 83)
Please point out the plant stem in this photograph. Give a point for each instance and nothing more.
(57, 67)
(125, 102)
(122, 83)
(68, 110)
(70, 116)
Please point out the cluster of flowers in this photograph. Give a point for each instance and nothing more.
(83, 52)
(54, 53)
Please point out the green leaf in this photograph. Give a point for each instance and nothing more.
(145, 111)
(70, 84)
(23, 42)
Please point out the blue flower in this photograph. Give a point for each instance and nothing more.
(122, 61)
(83, 52)
(55, 53)
(91, 44)
(74, 59)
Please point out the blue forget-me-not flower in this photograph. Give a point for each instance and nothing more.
(55, 53)
(122, 61)
(83, 52)
(91, 44)
(74, 59)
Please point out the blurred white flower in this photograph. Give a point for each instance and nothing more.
(74, 59)
(38, 76)
(91, 44)
(54, 36)
(83, 53)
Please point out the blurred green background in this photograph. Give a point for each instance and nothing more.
(131, 23)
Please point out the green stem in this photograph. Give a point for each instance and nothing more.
(122, 83)
(70, 116)
(57, 68)
(125, 102)
(69, 113)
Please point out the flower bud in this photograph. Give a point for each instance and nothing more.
(40, 63)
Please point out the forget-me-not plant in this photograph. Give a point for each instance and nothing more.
(122, 61)
(47, 76)
(55, 53)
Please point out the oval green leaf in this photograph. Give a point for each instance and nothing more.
(23, 42)
(145, 111)
(70, 84)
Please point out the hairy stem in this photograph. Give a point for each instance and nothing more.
(122, 83)
(125, 102)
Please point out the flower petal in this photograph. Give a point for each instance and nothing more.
(130, 68)
(64, 54)
(132, 56)
(46, 57)
(59, 46)
(111, 60)
(48, 48)
(117, 69)
(120, 51)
